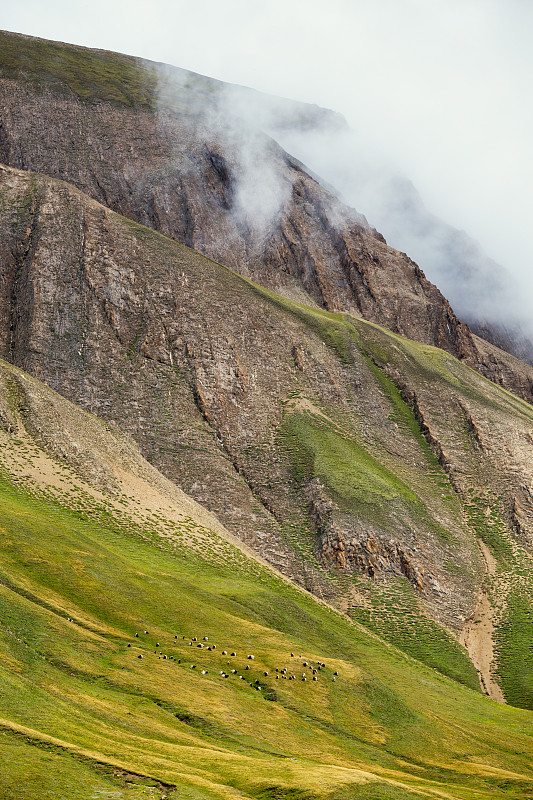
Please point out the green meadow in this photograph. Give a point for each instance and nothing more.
(83, 715)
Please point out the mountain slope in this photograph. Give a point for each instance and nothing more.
(342, 454)
(165, 148)
(91, 583)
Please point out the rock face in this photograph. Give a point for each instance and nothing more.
(192, 361)
(167, 149)
(362, 551)
(483, 293)
(205, 371)
(173, 174)
(340, 452)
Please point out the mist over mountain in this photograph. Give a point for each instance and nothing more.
(490, 299)
(483, 293)
(178, 155)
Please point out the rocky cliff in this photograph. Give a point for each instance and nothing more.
(167, 149)
(485, 295)
(380, 473)
(343, 454)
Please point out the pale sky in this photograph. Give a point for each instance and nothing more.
(439, 88)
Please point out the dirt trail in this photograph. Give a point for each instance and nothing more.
(477, 634)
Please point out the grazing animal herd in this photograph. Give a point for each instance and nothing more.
(281, 673)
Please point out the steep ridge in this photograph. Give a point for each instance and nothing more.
(344, 455)
(482, 292)
(160, 146)
(100, 464)
(126, 628)
(485, 295)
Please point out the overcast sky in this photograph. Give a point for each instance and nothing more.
(439, 88)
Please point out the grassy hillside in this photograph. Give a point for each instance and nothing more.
(87, 588)
(90, 74)
(382, 475)
(469, 452)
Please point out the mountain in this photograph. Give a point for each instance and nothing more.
(144, 652)
(169, 149)
(482, 292)
(346, 456)
(187, 453)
